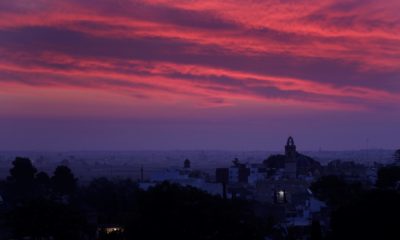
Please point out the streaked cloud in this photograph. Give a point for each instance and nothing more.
(342, 55)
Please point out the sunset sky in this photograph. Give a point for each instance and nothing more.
(199, 74)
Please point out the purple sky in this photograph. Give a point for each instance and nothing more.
(200, 74)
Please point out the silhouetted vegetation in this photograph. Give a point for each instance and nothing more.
(63, 181)
(359, 213)
(58, 208)
(316, 232)
(335, 191)
(112, 201)
(388, 177)
(43, 178)
(20, 185)
(275, 161)
(40, 206)
(374, 215)
(43, 218)
(22, 172)
(397, 155)
(186, 213)
(305, 164)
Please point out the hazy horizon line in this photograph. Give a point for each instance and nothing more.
(200, 150)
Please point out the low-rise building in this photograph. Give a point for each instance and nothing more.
(186, 177)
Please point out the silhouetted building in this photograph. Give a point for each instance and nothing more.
(258, 172)
(290, 159)
(185, 176)
(222, 175)
(280, 185)
(186, 164)
(237, 173)
(280, 196)
(110, 231)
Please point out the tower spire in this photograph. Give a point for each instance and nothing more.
(290, 158)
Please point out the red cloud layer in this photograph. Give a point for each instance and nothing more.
(363, 35)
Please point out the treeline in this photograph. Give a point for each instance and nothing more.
(38, 206)
(360, 212)
(25, 182)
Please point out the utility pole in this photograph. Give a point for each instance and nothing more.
(141, 173)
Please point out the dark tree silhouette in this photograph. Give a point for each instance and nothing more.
(165, 211)
(42, 218)
(305, 164)
(23, 171)
(335, 191)
(111, 199)
(20, 185)
(388, 177)
(42, 178)
(397, 155)
(63, 180)
(42, 185)
(171, 211)
(316, 232)
(372, 216)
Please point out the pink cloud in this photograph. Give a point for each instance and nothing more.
(360, 37)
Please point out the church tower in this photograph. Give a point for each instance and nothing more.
(186, 164)
(290, 159)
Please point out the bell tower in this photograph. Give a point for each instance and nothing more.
(186, 164)
(290, 159)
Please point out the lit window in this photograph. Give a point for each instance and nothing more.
(111, 230)
(280, 196)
